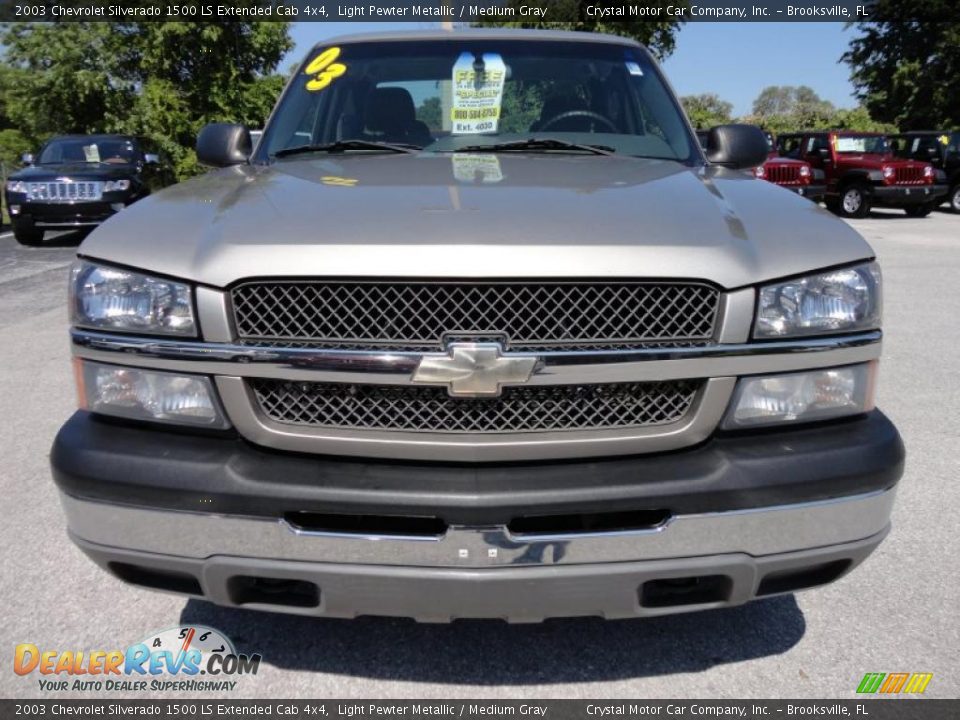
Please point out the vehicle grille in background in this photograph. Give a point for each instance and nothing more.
(909, 176)
(783, 174)
(61, 191)
(422, 315)
(518, 409)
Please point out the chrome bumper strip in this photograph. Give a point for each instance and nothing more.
(567, 367)
(756, 532)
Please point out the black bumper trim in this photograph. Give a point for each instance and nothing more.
(902, 195)
(148, 467)
(812, 192)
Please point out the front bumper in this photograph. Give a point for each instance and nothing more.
(746, 516)
(51, 216)
(812, 192)
(906, 195)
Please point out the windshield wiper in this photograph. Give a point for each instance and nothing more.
(539, 144)
(345, 145)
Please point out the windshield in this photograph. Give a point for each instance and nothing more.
(863, 144)
(117, 151)
(443, 95)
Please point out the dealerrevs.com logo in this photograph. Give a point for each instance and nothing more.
(191, 658)
(894, 683)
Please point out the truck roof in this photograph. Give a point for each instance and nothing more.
(480, 34)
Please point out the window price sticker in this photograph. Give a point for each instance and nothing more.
(477, 93)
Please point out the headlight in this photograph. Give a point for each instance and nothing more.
(112, 299)
(16, 186)
(844, 300)
(149, 395)
(802, 397)
(114, 185)
(760, 171)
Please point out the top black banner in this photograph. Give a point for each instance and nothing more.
(460, 12)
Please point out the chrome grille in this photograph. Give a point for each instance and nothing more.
(523, 315)
(65, 191)
(909, 176)
(519, 409)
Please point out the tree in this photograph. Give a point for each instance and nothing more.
(162, 79)
(908, 72)
(430, 112)
(787, 108)
(63, 78)
(706, 110)
(800, 102)
(659, 34)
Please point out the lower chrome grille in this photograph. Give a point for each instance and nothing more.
(518, 409)
(63, 191)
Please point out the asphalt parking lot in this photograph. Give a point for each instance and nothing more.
(898, 612)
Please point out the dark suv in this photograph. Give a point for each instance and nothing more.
(78, 181)
(862, 172)
(940, 148)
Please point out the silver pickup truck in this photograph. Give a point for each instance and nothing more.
(478, 330)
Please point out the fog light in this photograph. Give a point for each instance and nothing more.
(150, 395)
(802, 397)
(117, 207)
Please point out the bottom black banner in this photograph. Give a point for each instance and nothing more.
(891, 709)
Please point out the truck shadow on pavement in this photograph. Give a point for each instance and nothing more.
(481, 652)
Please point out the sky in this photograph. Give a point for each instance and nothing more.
(734, 60)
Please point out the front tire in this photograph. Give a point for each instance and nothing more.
(29, 237)
(918, 211)
(854, 201)
(955, 198)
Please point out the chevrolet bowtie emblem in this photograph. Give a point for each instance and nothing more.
(475, 369)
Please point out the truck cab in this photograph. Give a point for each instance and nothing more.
(862, 172)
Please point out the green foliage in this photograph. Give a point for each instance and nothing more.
(659, 35)
(521, 105)
(800, 107)
(782, 109)
(13, 144)
(161, 79)
(706, 110)
(859, 119)
(430, 112)
(907, 72)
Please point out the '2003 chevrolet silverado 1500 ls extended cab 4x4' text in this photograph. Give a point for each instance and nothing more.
(477, 331)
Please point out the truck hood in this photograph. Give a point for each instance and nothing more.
(475, 215)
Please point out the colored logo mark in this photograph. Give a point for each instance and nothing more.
(893, 683)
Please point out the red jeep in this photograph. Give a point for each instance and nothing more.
(794, 175)
(862, 172)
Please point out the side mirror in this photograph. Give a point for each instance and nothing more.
(27, 158)
(736, 146)
(223, 144)
(151, 159)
